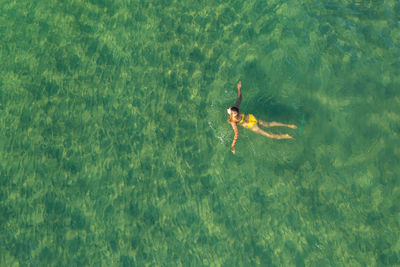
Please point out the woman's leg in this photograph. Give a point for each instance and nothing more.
(276, 124)
(257, 129)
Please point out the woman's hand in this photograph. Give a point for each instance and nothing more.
(233, 149)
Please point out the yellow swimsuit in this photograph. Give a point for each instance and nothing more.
(252, 120)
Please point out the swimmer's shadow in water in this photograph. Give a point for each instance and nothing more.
(268, 109)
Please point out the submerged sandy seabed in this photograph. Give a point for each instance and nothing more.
(114, 144)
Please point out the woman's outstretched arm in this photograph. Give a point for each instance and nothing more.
(235, 129)
(239, 100)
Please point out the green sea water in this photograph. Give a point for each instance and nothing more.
(115, 150)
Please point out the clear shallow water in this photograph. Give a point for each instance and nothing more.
(115, 147)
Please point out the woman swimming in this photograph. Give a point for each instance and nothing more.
(250, 122)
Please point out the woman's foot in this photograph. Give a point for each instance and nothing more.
(285, 136)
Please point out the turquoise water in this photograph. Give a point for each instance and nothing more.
(114, 146)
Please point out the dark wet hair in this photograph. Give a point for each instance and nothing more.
(235, 109)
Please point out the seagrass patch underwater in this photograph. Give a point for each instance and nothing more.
(115, 146)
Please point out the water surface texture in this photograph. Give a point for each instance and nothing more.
(115, 150)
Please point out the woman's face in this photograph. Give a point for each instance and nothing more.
(231, 112)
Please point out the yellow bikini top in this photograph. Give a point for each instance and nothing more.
(240, 122)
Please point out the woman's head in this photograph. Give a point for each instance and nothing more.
(233, 111)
